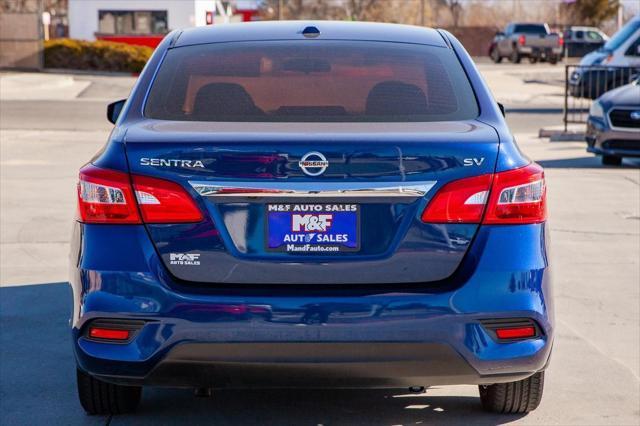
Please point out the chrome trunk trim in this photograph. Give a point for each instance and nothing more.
(312, 189)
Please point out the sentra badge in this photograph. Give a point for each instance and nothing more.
(171, 162)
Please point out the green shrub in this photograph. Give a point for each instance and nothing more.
(95, 55)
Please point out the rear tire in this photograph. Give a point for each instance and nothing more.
(515, 57)
(495, 55)
(513, 397)
(611, 160)
(533, 59)
(98, 397)
(553, 60)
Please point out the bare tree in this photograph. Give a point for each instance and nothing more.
(360, 10)
(302, 9)
(591, 12)
(19, 6)
(455, 9)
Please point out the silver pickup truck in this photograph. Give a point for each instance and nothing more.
(527, 40)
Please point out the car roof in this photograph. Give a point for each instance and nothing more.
(580, 27)
(292, 30)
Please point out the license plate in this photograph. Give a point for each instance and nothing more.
(313, 228)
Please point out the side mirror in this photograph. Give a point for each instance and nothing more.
(501, 108)
(114, 109)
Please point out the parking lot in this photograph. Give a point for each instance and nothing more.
(50, 124)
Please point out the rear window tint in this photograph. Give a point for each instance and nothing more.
(530, 29)
(341, 81)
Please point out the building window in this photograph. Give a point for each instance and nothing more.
(132, 22)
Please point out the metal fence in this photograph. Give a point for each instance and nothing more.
(584, 83)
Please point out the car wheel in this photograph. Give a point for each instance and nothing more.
(513, 397)
(515, 57)
(553, 60)
(611, 160)
(98, 397)
(495, 56)
(533, 59)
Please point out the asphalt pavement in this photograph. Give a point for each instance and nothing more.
(594, 376)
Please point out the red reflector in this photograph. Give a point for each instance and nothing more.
(162, 201)
(109, 334)
(515, 333)
(522, 40)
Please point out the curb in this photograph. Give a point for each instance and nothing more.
(559, 135)
(88, 72)
(567, 137)
(535, 110)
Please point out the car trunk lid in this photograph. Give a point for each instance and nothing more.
(352, 218)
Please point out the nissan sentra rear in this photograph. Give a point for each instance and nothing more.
(310, 205)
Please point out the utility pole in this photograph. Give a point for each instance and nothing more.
(280, 9)
(620, 15)
(422, 12)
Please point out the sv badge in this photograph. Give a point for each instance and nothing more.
(472, 161)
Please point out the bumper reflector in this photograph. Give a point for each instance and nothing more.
(505, 330)
(516, 333)
(108, 334)
(113, 330)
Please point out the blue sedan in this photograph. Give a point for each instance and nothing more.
(310, 205)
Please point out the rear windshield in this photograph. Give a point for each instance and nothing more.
(530, 29)
(311, 80)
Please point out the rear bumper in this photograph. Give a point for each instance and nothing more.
(314, 365)
(539, 51)
(291, 336)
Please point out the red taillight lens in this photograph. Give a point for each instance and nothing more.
(516, 333)
(162, 201)
(108, 333)
(516, 197)
(461, 201)
(560, 40)
(105, 196)
(522, 40)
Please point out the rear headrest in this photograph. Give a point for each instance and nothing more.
(223, 99)
(396, 98)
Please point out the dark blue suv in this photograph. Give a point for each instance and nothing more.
(300, 204)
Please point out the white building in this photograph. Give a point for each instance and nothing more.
(147, 21)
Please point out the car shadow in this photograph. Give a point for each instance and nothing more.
(586, 163)
(37, 384)
(313, 407)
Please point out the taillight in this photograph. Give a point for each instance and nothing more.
(560, 40)
(106, 196)
(513, 197)
(460, 201)
(522, 40)
(162, 201)
(517, 196)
